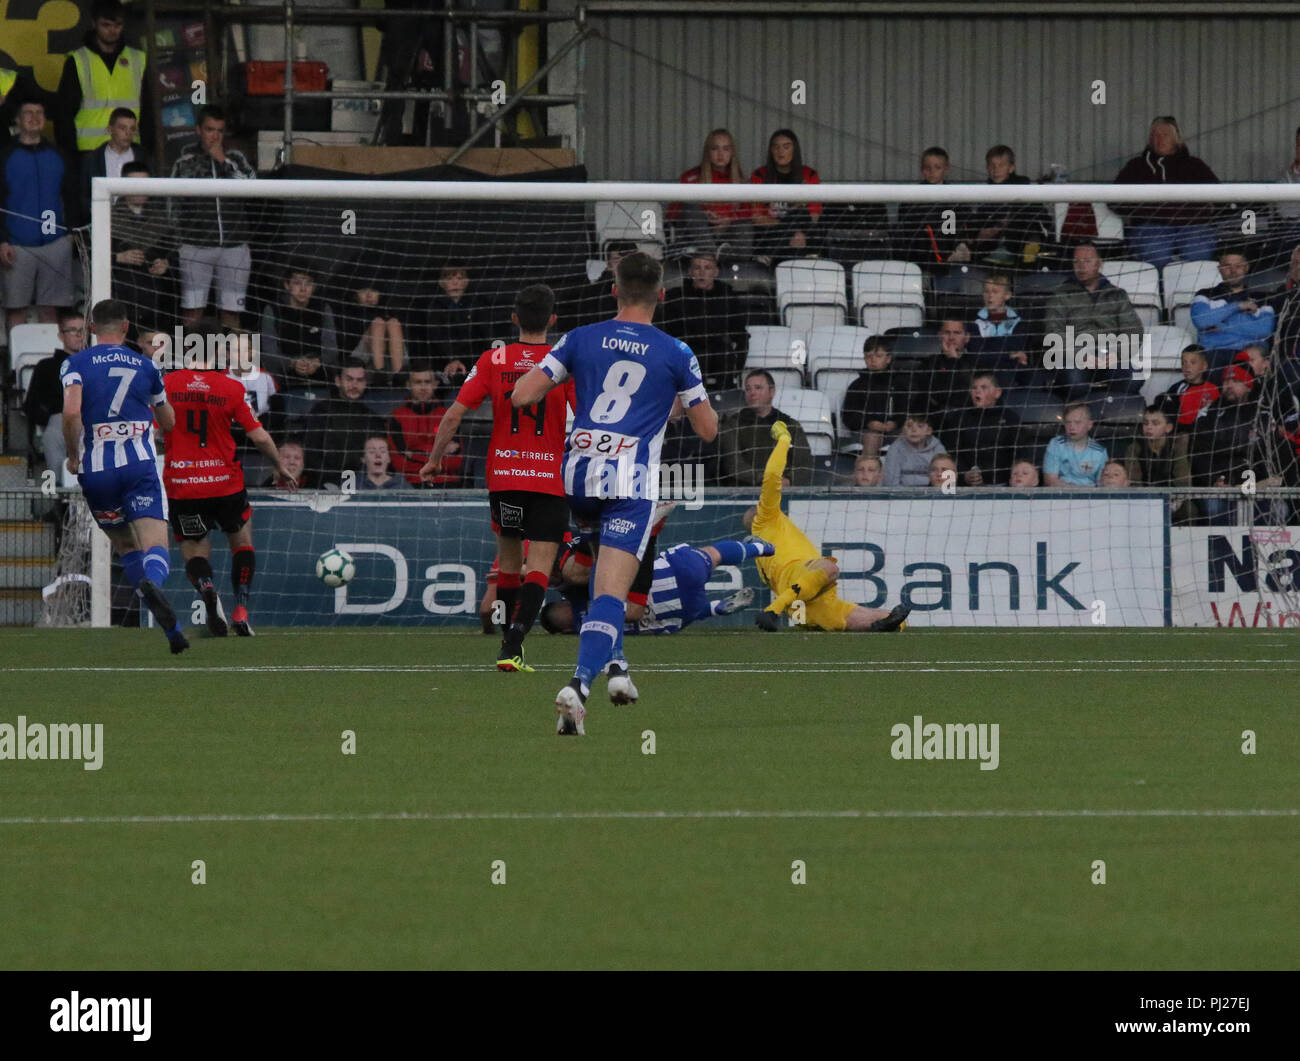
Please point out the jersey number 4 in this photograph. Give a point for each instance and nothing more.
(537, 412)
(196, 423)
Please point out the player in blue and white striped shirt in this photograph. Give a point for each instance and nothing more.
(629, 377)
(111, 395)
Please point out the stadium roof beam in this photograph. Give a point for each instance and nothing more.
(939, 8)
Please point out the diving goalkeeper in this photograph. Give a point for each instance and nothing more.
(797, 571)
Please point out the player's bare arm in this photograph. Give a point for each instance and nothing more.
(530, 390)
(704, 420)
(261, 438)
(447, 428)
(165, 414)
(72, 425)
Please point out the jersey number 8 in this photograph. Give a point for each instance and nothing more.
(615, 398)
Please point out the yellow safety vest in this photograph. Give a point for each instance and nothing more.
(103, 92)
(7, 79)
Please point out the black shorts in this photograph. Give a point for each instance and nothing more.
(525, 514)
(193, 517)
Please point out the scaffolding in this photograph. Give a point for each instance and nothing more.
(484, 108)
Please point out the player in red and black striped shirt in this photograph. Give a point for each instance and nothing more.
(205, 484)
(525, 457)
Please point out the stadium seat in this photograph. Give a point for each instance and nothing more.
(834, 361)
(623, 221)
(887, 283)
(1141, 283)
(813, 412)
(1110, 226)
(1161, 380)
(28, 344)
(776, 349)
(810, 293)
(1167, 342)
(1182, 280)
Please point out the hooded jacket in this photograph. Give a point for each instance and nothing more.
(1179, 168)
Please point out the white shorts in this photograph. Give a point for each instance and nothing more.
(41, 276)
(232, 266)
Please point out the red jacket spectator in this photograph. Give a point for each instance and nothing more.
(411, 430)
(718, 213)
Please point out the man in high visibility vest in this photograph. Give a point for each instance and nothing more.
(100, 76)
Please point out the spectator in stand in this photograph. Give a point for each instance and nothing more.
(1286, 305)
(370, 331)
(592, 302)
(103, 74)
(15, 87)
(943, 471)
(923, 235)
(457, 324)
(374, 467)
(215, 232)
(144, 247)
(785, 230)
(293, 459)
(1226, 443)
(874, 401)
(1114, 476)
(868, 471)
(1024, 474)
(37, 185)
(1160, 232)
(745, 441)
(1073, 458)
(705, 315)
(1158, 457)
(299, 338)
(1008, 234)
(1091, 305)
(984, 436)
(1001, 347)
(1194, 392)
(1227, 316)
(715, 223)
(43, 403)
(909, 461)
(943, 380)
(413, 427)
(340, 425)
(109, 158)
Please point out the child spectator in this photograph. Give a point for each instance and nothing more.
(942, 471)
(1114, 476)
(413, 427)
(1008, 233)
(1002, 349)
(1158, 457)
(144, 250)
(374, 467)
(983, 435)
(1024, 474)
(457, 328)
(293, 459)
(715, 223)
(869, 403)
(924, 238)
(1195, 392)
(868, 471)
(371, 331)
(299, 340)
(785, 230)
(1074, 459)
(907, 462)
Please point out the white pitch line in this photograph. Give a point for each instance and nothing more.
(830, 667)
(635, 815)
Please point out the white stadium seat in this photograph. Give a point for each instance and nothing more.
(777, 349)
(1160, 381)
(1167, 342)
(28, 344)
(625, 221)
(887, 283)
(813, 412)
(1141, 283)
(834, 361)
(1182, 281)
(810, 293)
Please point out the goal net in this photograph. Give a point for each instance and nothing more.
(1043, 404)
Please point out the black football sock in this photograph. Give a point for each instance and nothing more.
(242, 565)
(199, 572)
(508, 595)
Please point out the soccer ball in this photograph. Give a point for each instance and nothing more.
(335, 568)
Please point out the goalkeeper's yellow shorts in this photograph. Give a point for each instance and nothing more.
(828, 612)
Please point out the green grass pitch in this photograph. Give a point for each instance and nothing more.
(622, 860)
